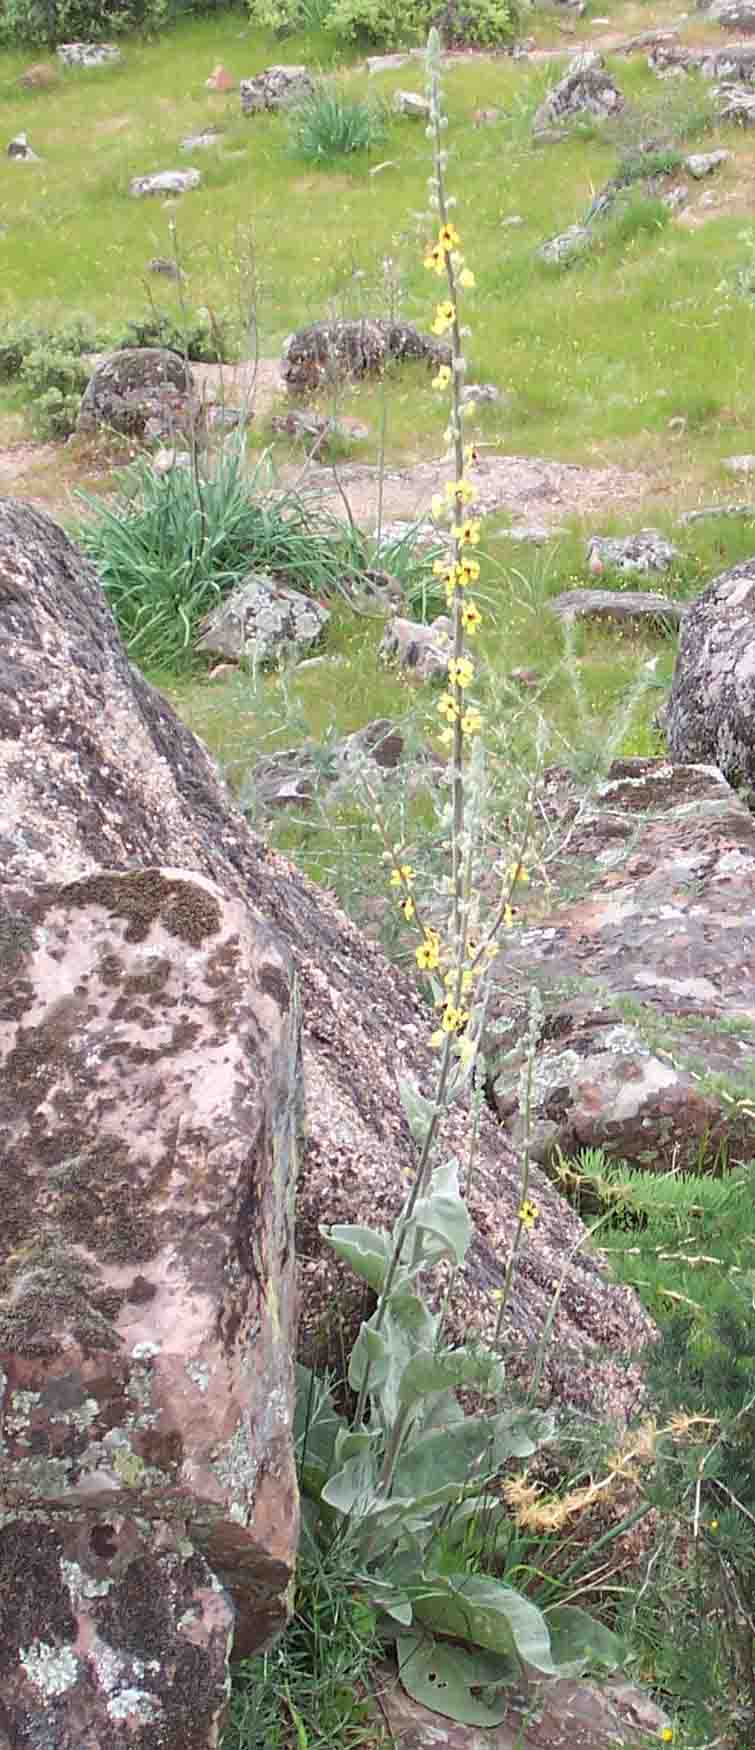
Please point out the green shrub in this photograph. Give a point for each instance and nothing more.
(391, 23)
(56, 381)
(481, 24)
(201, 336)
(56, 21)
(327, 125)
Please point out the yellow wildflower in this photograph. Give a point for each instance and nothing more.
(508, 918)
(448, 238)
(427, 955)
(464, 490)
(468, 532)
(517, 872)
(471, 618)
(714, 1525)
(471, 722)
(470, 455)
(528, 1213)
(448, 707)
(470, 409)
(470, 571)
(444, 317)
(452, 1019)
(446, 737)
(443, 377)
(404, 875)
(466, 279)
(408, 909)
(461, 671)
(667, 1736)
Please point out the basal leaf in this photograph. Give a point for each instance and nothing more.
(481, 1611)
(367, 1250)
(449, 1680)
(580, 1642)
(443, 1216)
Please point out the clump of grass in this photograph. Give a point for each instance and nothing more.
(328, 126)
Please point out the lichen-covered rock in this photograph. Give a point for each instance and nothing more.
(327, 351)
(276, 88)
(711, 712)
(262, 621)
(640, 555)
(561, 251)
(95, 769)
(420, 649)
(136, 391)
(113, 1633)
(294, 776)
(163, 182)
(733, 14)
(563, 1713)
(88, 54)
(411, 104)
(644, 976)
(586, 89)
(149, 1091)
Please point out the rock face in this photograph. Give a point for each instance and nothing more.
(262, 622)
(330, 350)
(733, 14)
(95, 770)
(621, 605)
(276, 88)
(585, 90)
(639, 555)
(711, 712)
(141, 391)
(643, 982)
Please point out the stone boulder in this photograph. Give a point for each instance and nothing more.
(41, 76)
(276, 88)
(95, 769)
(262, 621)
(88, 54)
(736, 103)
(411, 104)
(642, 555)
(622, 606)
(733, 14)
(164, 182)
(422, 651)
(140, 391)
(296, 775)
(701, 164)
(586, 89)
(565, 249)
(329, 351)
(735, 61)
(20, 151)
(645, 975)
(711, 711)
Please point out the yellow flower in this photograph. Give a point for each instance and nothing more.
(528, 1213)
(470, 455)
(714, 1525)
(464, 490)
(404, 875)
(435, 259)
(408, 909)
(453, 1020)
(517, 872)
(465, 1048)
(448, 238)
(667, 1736)
(471, 618)
(446, 737)
(427, 955)
(448, 707)
(471, 722)
(470, 409)
(466, 279)
(508, 918)
(444, 317)
(470, 571)
(461, 671)
(468, 532)
(443, 378)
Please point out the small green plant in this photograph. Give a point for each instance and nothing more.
(56, 381)
(203, 336)
(327, 125)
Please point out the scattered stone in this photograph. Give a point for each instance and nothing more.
(737, 104)
(711, 712)
(640, 554)
(667, 854)
(409, 103)
(88, 54)
(276, 88)
(164, 182)
(480, 393)
(675, 198)
(667, 54)
(40, 77)
(746, 511)
(220, 79)
(621, 605)
(261, 621)
(144, 391)
(739, 464)
(328, 351)
(165, 265)
(421, 649)
(700, 164)
(735, 61)
(294, 777)
(385, 63)
(20, 151)
(565, 249)
(200, 142)
(586, 89)
(164, 461)
(317, 431)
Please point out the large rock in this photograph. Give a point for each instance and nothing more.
(711, 712)
(645, 554)
(733, 14)
(622, 606)
(261, 621)
(586, 89)
(645, 976)
(164, 182)
(141, 391)
(328, 351)
(276, 88)
(88, 54)
(422, 650)
(96, 769)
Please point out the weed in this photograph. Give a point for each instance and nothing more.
(327, 126)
